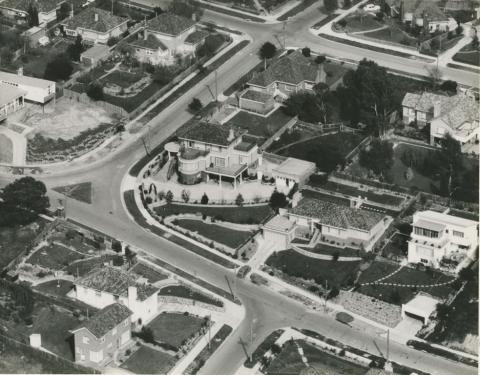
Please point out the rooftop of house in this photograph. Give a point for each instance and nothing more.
(293, 68)
(170, 24)
(151, 42)
(25, 80)
(429, 9)
(245, 145)
(96, 51)
(292, 167)
(211, 133)
(8, 93)
(106, 319)
(95, 19)
(335, 215)
(423, 102)
(279, 223)
(458, 110)
(23, 5)
(256, 96)
(115, 281)
(441, 219)
(196, 37)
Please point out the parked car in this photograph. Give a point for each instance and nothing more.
(372, 8)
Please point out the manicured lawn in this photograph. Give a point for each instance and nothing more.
(295, 264)
(152, 275)
(397, 247)
(81, 192)
(357, 23)
(59, 288)
(289, 361)
(149, 361)
(16, 239)
(264, 347)
(54, 257)
(173, 329)
(234, 214)
(393, 35)
(407, 276)
(322, 248)
(82, 267)
(122, 78)
(468, 56)
(226, 236)
(185, 292)
(259, 125)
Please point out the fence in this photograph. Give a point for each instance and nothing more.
(357, 149)
(279, 132)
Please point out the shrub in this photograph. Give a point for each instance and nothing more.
(195, 105)
(59, 68)
(306, 52)
(239, 200)
(204, 199)
(95, 91)
(116, 246)
(118, 261)
(148, 200)
(276, 349)
(112, 41)
(169, 196)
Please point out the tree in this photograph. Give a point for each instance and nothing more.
(330, 5)
(185, 195)
(434, 76)
(186, 8)
(333, 293)
(451, 157)
(169, 197)
(278, 200)
(130, 255)
(347, 4)
(116, 246)
(95, 91)
(378, 156)
(22, 201)
(449, 86)
(63, 12)
(466, 274)
(204, 199)
(306, 52)
(195, 105)
(162, 75)
(211, 45)
(32, 15)
(267, 51)
(59, 68)
(474, 44)
(239, 200)
(75, 50)
(320, 59)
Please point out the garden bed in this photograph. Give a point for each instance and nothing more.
(54, 257)
(182, 291)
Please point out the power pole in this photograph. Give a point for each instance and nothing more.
(388, 344)
(112, 7)
(216, 85)
(209, 331)
(284, 31)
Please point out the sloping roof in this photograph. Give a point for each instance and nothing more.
(196, 37)
(279, 223)
(23, 5)
(170, 24)
(425, 101)
(429, 9)
(256, 96)
(25, 80)
(151, 43)
(106, 319)
(115, 281)
(458, 110)
(293, 68)
(335, 215)
(8, 93)
(410, 100)
(86, 20)
(210, 133)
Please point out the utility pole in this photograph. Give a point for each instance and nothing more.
(284, 31)
(112, 7)
(209, 331)
(388, 344)
(216, 85)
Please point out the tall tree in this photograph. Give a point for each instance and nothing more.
(75, 50)
(267, 51)
(378, 156)
(58, 69)
(32, 17)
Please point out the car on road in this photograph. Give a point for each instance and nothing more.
(372, 8)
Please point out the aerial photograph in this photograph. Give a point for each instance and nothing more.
(239, 187)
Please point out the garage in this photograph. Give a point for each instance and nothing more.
(421, 307)
(279, 231)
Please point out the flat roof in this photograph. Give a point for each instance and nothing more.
(8, 93)
(25, 80)
(294, 167)
(422, 302)
(442, 218)
(429, 225)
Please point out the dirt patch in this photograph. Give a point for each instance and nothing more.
(6, 149)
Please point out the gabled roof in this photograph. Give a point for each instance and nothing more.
(210, 133)
(429, 9)
(106, 319)
(151, 43)
(293, 68)
(86, 20)
(115, 281)
(170, 24)
(459, 110)
(23, 5)
(425, 101)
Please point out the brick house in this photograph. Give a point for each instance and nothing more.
(418, 108)
(99, 339)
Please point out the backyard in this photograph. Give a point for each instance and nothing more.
(147, 360)
(54, 257)
(151, 274)
(175, 329)
(81, 267)
(55, 287)
(189, 293)
(233, 214)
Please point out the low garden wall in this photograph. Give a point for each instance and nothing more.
(189, 302)
(313, 255)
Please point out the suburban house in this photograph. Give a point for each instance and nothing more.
(291, 73)
(11, 100)
(335, 224)
(441, 238)
(95, 25)
(213, 150)
(458, 5)
(165, 37)
(99, 339)
(36, 90)
(18, 9)
(418, 108)
(103, 286)
(279, 231)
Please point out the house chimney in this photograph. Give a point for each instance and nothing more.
(35, 340)
(145, 34)
(296, 198)
(437, 109)
(231, 135)
(321, 75)
(20, 71)
(132, 296)
(96, 17)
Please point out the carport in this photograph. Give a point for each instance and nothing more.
(420, 307)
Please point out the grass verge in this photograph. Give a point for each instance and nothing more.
(264, 347)
(296, 9)
(425, 347)
(230, 12)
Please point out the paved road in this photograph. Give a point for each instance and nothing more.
(269, 310)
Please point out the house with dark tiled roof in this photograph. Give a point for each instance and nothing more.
(18, 9)
(168, 35)
(99, 339)
(95, 25)
(103, 286)
(418, 108)
(210, 150)
(290, 73)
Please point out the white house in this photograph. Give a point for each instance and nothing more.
(279, 231)
(104, 286)
(11, 100)
(438, 236)
(18, 9)
(36, 89)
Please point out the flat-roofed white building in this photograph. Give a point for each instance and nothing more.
(438, 236)
(11, 100)
(421, 307)
(36, 89)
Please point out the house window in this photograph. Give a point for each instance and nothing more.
(86, 340)
(424, 261)
(458, 234)
(220, 162)
(96, 356)
(426, 232)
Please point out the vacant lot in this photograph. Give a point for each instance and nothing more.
(185, 292)
(173, 329)
(240, 215)
(149, 361)
(54, 257)
(259, 125)
(294, 264)
(229, 237)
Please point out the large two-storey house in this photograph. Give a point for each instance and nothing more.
(18, 9)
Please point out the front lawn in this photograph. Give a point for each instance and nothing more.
(362, 22)
(233, 214)
(392, 35)
(55, 287)
(186, 292)
(325, 249)
(149, 361)
(54, 257)
(295, 264)
(258, 125)
(174, 329)
(229, 237)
